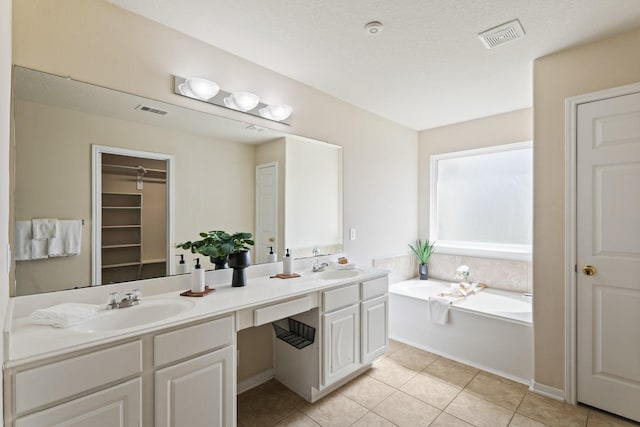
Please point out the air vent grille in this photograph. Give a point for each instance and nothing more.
(151, 110)
(502, 34)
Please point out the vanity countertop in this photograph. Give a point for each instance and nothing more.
(26, 343)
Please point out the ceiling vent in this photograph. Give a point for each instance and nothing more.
(502, 34)
(151, 110)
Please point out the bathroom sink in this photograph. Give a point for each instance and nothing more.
(123, 318)
(339, 274)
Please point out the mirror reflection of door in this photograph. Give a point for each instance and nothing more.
(266, 210)
(131, 216)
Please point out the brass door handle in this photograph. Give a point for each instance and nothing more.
(589, 270)
(272, 239)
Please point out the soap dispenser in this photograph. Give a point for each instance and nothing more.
(182, 267)
(272, 257)
(197, 278)
(287, 264)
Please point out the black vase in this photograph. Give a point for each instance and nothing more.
(424, 272)
(239, 261)
(219, 262)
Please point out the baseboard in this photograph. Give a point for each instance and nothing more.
(547, 391)
(255, 380)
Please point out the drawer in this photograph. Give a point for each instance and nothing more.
(375, 287)
(281, 310)
(46, 384)
(341, 297)
(185, 342)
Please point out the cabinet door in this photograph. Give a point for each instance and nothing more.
(341, 351)
(198, 392)
(375, 332)
(117, 406)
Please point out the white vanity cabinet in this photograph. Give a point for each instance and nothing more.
(196, 391)
(183, 376)
(351, 331)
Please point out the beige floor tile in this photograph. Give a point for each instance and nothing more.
(267, 404)
(335, 409)
(496, 391)
(394, 346)
(413, 358)
(451, 372)
(478, 412)
(599, 418)
(367, 391)
(391, 373)
(552, 412)
(404, 410)
(371, 419)
(431, 390)
(522, 421)
(446, 420)
(297, 419)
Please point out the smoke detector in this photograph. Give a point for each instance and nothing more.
(502, 34)
(373, 28)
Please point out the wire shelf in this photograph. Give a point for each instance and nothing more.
(294, 333)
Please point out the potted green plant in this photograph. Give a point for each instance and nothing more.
(223, 247)
(423, 252)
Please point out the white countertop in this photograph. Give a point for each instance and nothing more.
(25, 343)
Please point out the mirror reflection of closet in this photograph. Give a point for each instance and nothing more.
(132, 227)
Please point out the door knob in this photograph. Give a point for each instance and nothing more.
(272, 239)
(589, 270)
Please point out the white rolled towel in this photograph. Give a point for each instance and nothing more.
(64, 315)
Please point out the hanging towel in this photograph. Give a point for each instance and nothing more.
(64, 315)
(439, 310)
(44, 228)
(26, 248)
(69, 239)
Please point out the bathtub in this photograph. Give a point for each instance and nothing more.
(491, 330)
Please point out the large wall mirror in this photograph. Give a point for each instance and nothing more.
(166, 174)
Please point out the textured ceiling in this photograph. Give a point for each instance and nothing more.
(426, 69)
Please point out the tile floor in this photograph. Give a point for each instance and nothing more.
(411, 387)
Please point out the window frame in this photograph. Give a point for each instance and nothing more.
(455, 247)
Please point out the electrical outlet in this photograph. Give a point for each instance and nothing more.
(352, 234)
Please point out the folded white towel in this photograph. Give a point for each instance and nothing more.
(69, 239)
(44, 228)
(26, 248)
(439, 310)
(64, 315)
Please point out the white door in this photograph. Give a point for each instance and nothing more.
(608, 248)
(197, 393)
(117, 406)
(266, 210)
(374, 320)
(341, 343)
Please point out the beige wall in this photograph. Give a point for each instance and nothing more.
(5, 99)
(201, 203)
(97, 42)
(604, 64)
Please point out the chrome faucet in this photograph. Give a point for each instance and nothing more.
(317, 266)
(130, 299)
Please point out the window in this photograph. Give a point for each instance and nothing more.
(482, 201)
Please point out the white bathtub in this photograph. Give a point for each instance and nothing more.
(490, 330)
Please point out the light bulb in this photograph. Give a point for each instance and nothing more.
(200, 88)
(277, 112)
(243, 101)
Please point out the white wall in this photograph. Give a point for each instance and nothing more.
(5, 101)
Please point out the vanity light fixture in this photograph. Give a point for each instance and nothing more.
(210, 92)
